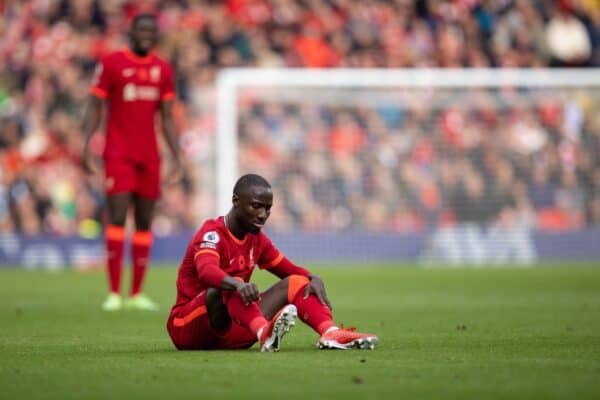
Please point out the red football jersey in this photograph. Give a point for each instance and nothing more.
(237, 258)
(133, 87)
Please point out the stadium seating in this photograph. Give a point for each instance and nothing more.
(48, 51)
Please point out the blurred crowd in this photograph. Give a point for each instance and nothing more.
(429, 159)
(404, 167)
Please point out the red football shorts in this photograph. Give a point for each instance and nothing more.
(123, 176)
(190, 329)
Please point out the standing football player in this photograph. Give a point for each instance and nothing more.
(217, 306)
(135, 84)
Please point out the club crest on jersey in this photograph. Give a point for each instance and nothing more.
(155, 74)
(211, 237)
(251, 257)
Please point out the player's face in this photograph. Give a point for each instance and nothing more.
(144, 35)
(254, 208)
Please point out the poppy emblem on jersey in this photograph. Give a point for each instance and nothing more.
(211, 237)
(242, 262)
(127, 72)
(143, 74)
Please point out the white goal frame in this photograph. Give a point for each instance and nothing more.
(229, 81)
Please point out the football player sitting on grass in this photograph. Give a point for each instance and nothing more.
(218, 307)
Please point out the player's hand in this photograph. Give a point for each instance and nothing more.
(175, 172)
(317, 287)
(248, 292)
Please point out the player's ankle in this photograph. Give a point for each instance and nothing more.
(262, 331)
(325, 326)
(331, 329)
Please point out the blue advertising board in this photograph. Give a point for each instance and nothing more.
(52, 253)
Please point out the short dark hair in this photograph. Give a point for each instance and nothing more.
(245, 181)
(142, 16)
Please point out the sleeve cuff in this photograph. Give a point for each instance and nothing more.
(273, 263)
(206, 251)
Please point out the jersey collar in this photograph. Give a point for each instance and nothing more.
(231, 235)
(135, 58)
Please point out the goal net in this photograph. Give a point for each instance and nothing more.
(454, 166)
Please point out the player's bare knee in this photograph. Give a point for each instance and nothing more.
(117, 217)
(213, 295)
(217, 310)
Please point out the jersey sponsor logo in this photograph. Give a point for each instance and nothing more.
(127, 72)
(208, 245)
(147, 93)
(211, 237)
(133, 92)
(155, 73)
(129, 92)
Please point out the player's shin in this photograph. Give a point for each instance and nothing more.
(114, 237)
(248, 315)
(141, 242)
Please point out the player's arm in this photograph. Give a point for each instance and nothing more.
(279, 265)
(167, 97)
(170, 135)
(206, 260)
(282, 267)
(92, 117)
(92, 113)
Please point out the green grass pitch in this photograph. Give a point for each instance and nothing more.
(445, 333)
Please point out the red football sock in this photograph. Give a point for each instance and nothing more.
(310, 310)
(141, 242)
(245, 315)
(114, 237)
